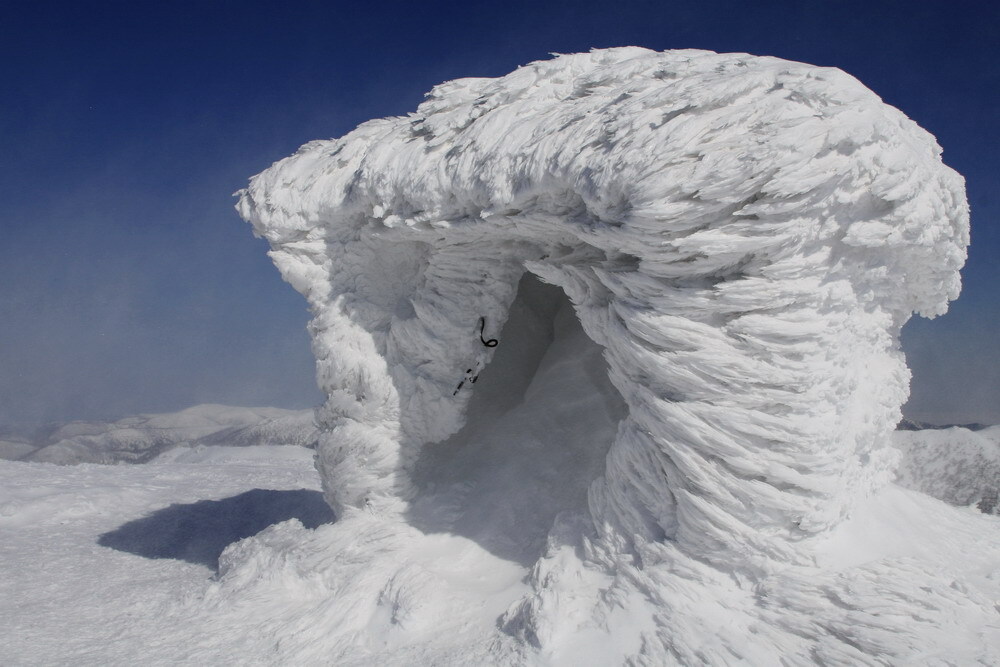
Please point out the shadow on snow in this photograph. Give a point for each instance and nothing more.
(199, 532)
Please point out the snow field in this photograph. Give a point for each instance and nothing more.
(66, 599)
(292, 595)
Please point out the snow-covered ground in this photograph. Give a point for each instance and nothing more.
(102, 565)
(118, 564)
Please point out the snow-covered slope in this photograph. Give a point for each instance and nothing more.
(143, 437)
(742, 238)
(102, 564)
(14, 447)
(956, 465)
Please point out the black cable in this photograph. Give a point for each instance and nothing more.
(492, 342)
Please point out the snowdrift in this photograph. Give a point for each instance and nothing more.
(729, 246)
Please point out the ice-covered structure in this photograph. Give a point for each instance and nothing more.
(742, 237)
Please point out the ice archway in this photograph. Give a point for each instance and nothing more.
(743, 236)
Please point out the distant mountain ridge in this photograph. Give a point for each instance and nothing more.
(914, 425)
(141, 438)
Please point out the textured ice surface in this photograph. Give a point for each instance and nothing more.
(742, 238)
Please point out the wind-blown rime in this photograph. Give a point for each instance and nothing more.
(743, 236)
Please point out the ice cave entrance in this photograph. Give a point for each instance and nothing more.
(537, 431)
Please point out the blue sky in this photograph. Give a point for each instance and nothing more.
(128, 284)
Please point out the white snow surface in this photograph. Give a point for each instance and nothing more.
(110, 565)
(739, 240)
(117, 565)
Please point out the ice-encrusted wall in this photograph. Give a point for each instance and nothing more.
(744, 236)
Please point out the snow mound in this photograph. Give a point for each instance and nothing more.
(741, 238)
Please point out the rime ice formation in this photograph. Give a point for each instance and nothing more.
(743, 237)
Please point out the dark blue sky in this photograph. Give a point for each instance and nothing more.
(128, 284)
